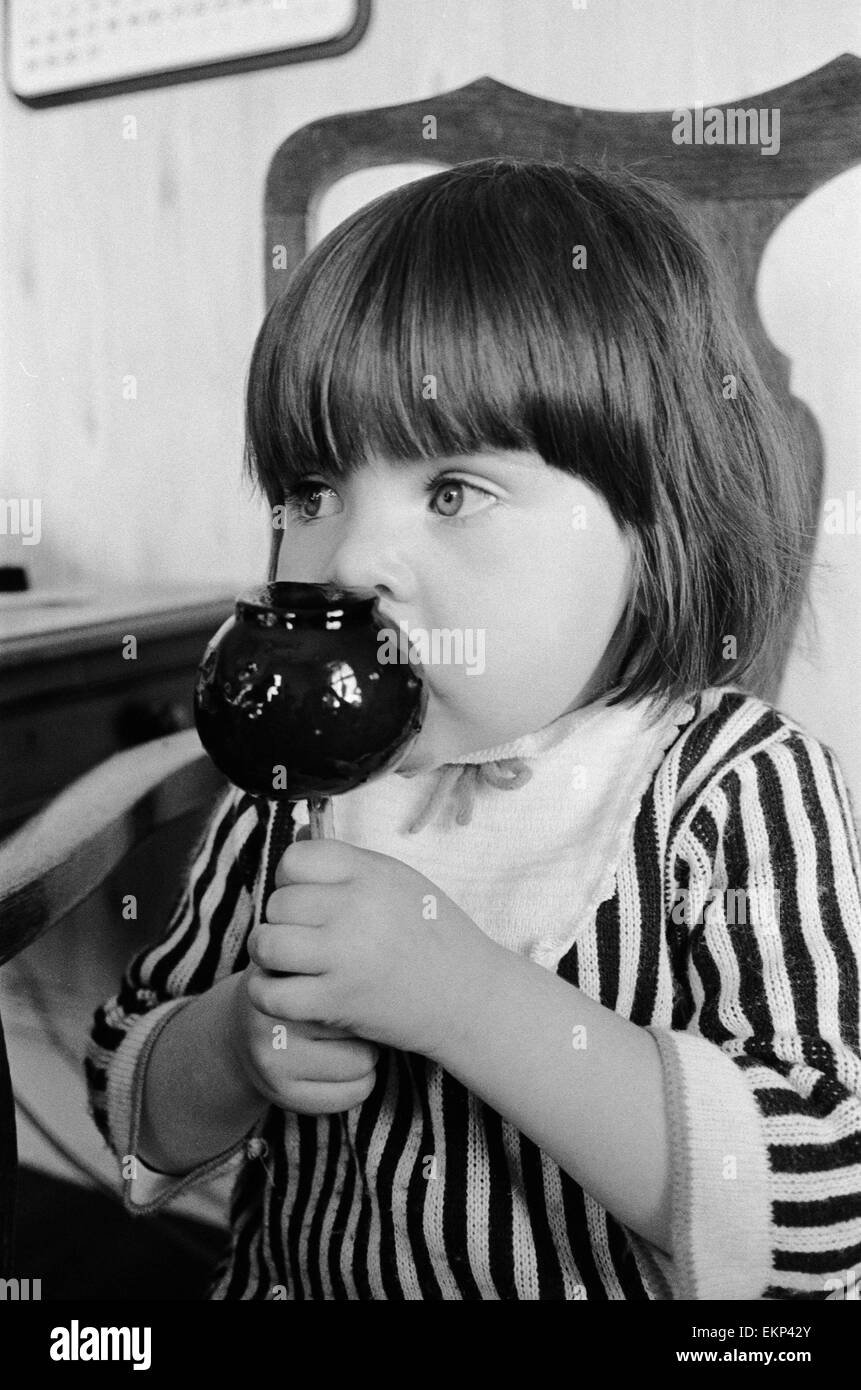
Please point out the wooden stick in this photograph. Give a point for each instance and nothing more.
(320, 817)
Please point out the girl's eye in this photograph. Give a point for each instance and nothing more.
(310, 492)
(298, 494)
(451, 491)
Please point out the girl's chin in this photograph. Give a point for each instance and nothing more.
(417, 759)
(421, 754)
(436, 743)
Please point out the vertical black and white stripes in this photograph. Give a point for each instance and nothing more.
(425, 1192)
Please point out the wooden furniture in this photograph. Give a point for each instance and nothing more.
(67, 665)
(69, 699)
(50, 863)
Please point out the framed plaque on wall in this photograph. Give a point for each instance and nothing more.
(74, 50)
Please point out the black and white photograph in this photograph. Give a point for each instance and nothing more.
(430, 653)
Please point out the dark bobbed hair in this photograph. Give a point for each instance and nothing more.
(613, 372)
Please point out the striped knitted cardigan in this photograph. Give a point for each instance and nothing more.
(329, 1207)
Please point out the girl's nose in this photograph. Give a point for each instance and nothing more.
(372, 556)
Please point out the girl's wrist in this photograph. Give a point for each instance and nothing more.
(196, 1101)
(234, 1035)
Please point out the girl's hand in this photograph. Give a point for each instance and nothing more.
(309, 1067)
(372, 946)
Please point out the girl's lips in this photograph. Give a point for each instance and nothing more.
(403, 638)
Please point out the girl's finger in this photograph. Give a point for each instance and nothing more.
(314, 1031)
(318, 1032)
(294, 998)
(332, 1060)
(286, 947)
(306, 904)
(320, 861)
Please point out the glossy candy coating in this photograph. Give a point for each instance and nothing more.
(292, 681)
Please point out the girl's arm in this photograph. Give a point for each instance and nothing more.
(166, 1012)
(580, 1081)
(732, 1145)
(195, 1100)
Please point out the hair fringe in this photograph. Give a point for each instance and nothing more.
(614, 374)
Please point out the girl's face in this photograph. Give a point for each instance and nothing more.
(518, 568)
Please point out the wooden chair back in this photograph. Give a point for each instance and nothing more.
(740, 194)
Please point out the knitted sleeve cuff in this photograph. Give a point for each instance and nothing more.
(145, 1190)
(720, 1223)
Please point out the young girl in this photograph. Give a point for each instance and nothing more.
(569, 1007)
